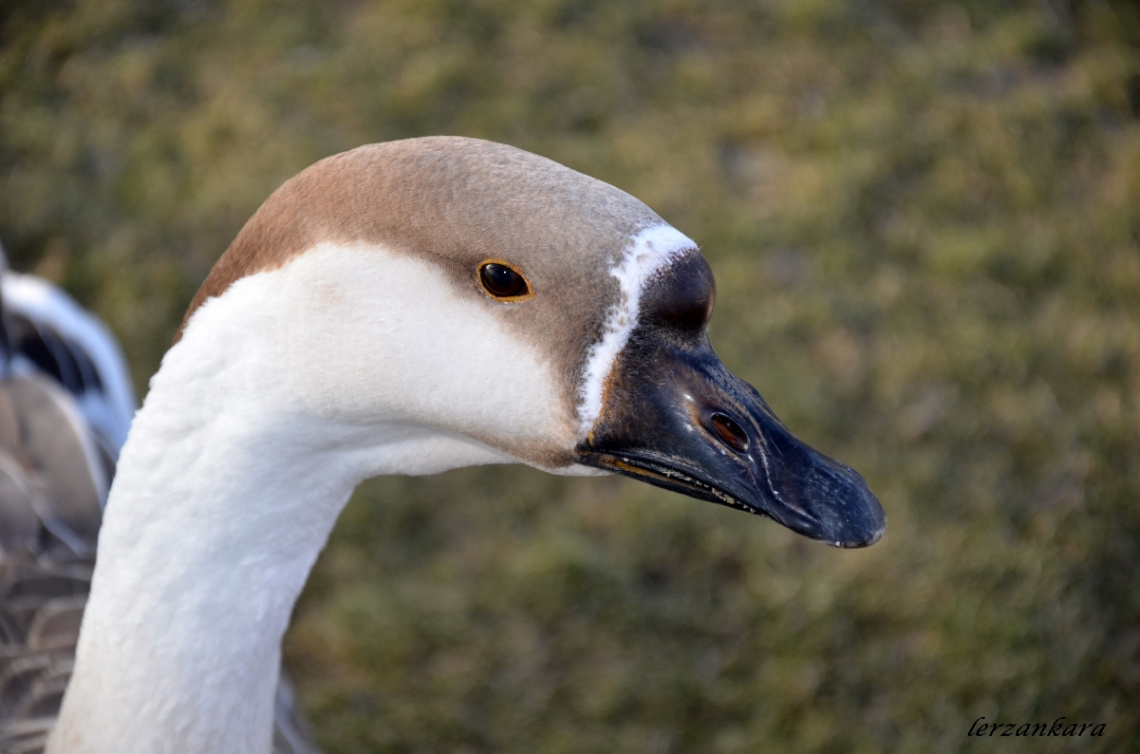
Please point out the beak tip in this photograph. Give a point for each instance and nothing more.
(878, 533)
(867, 528)
(866, 541)
(833, 503)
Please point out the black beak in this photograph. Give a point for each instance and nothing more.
(674, 416)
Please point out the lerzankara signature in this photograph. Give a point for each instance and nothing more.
(1058, 728)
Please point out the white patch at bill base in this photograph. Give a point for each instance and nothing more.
(648, 253)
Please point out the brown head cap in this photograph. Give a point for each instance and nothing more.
(458, 202)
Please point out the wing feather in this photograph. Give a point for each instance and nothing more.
(66, 403)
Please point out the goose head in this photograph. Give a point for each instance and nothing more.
(483, 304)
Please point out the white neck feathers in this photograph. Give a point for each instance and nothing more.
(282, 395)
(284, 392)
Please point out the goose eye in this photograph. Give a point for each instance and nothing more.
(503, 281)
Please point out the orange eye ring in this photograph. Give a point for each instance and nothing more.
(502, 281)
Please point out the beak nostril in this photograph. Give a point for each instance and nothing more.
(729, 432)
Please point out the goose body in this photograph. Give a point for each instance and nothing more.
(403, 308)
(65, 405)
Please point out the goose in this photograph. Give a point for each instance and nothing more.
(402, 308)
(66, 402)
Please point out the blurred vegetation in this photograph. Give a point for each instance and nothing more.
(925, 221)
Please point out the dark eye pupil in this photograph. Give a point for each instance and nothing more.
(501, 281)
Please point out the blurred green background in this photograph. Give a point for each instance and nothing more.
(925, 222)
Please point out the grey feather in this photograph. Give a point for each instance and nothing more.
(55, 473)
